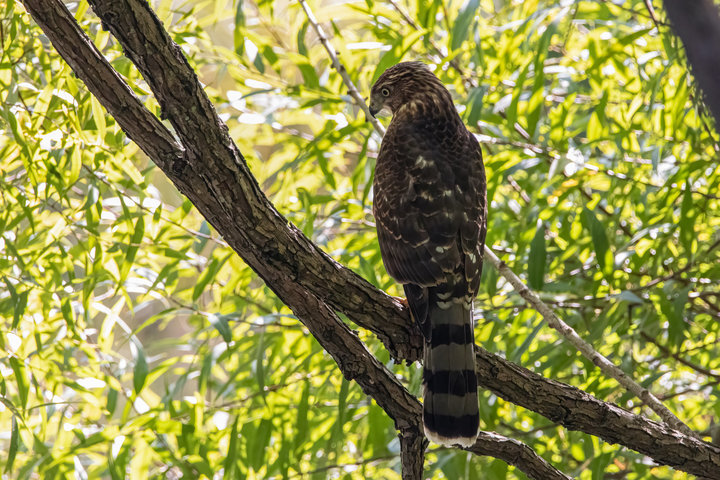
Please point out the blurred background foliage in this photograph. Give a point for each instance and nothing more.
(135, 344)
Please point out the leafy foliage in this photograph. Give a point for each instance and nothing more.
(136, 344)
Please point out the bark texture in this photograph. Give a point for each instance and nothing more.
(207, 167)
(697, 23)
(578, 410)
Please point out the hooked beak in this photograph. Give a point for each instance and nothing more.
(375, 105)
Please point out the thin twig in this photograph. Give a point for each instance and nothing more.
(587, 350)
(453, 62)
(352, 89)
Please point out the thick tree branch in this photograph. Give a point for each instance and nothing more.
(213, 174)
(578, 410)
(354, 360)
(697, 23)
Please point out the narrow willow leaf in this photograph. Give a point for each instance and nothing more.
(238, 31)
(221, 325)
(22, 385)
(259, 442)
(687, 220)
(537, 259)
(301, 422)
(132, 250)
(14, 443)
(462, 23)
(230, 462)
(630, 297)
(98, 116)
(600, 241)
(208, 275)
(678, 325)
(140, 371)
(259, 364)
(111, 402)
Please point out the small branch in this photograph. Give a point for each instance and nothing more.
(605, 365)
(412, 453)
(651, 13)
(496, 445)
(352, 89)
(669, 353)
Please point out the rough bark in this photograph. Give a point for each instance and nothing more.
(204, 171)
(412, 453)
(697, 23)
(578, 410)
(211, 172)
(518, 454)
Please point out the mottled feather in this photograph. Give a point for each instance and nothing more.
(430, 211)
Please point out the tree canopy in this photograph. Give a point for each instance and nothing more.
(136, 343)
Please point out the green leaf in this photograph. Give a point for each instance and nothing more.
(111, 400)
(67, 313)
(208, 276)
(258, 443)
(132, 249)
(221, 325)
(14, 443)
(230, 462)
(238, 31)
(600, 242)
(630, 297)
(462, 23)
(19, 370)
(302, 422)
(537, 259)
(518, 352)
(687, 220)
(259, 363)
(677, 324)
(302, 49)
(140, 371)
(98, 116)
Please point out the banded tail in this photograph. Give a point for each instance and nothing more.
(450, 413)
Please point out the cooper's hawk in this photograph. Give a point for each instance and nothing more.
(430, 209)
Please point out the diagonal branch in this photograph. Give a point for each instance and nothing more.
(340, 68)
(353, 359)
(587, 350)
(213, 175)
(605, 365)
(578, 410)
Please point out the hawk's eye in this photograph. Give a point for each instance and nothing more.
(385, 92)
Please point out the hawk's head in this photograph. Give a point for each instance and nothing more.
(404, 83)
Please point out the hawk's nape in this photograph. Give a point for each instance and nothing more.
(430, 210)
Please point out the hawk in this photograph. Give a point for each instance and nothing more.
(431, 213)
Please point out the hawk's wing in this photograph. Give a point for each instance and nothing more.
(429, 206)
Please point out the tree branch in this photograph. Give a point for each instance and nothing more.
(587, 350)
(697, 23)
(174, 94)
(213, 175)
(578, 410)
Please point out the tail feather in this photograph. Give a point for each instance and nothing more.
(450, 412)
